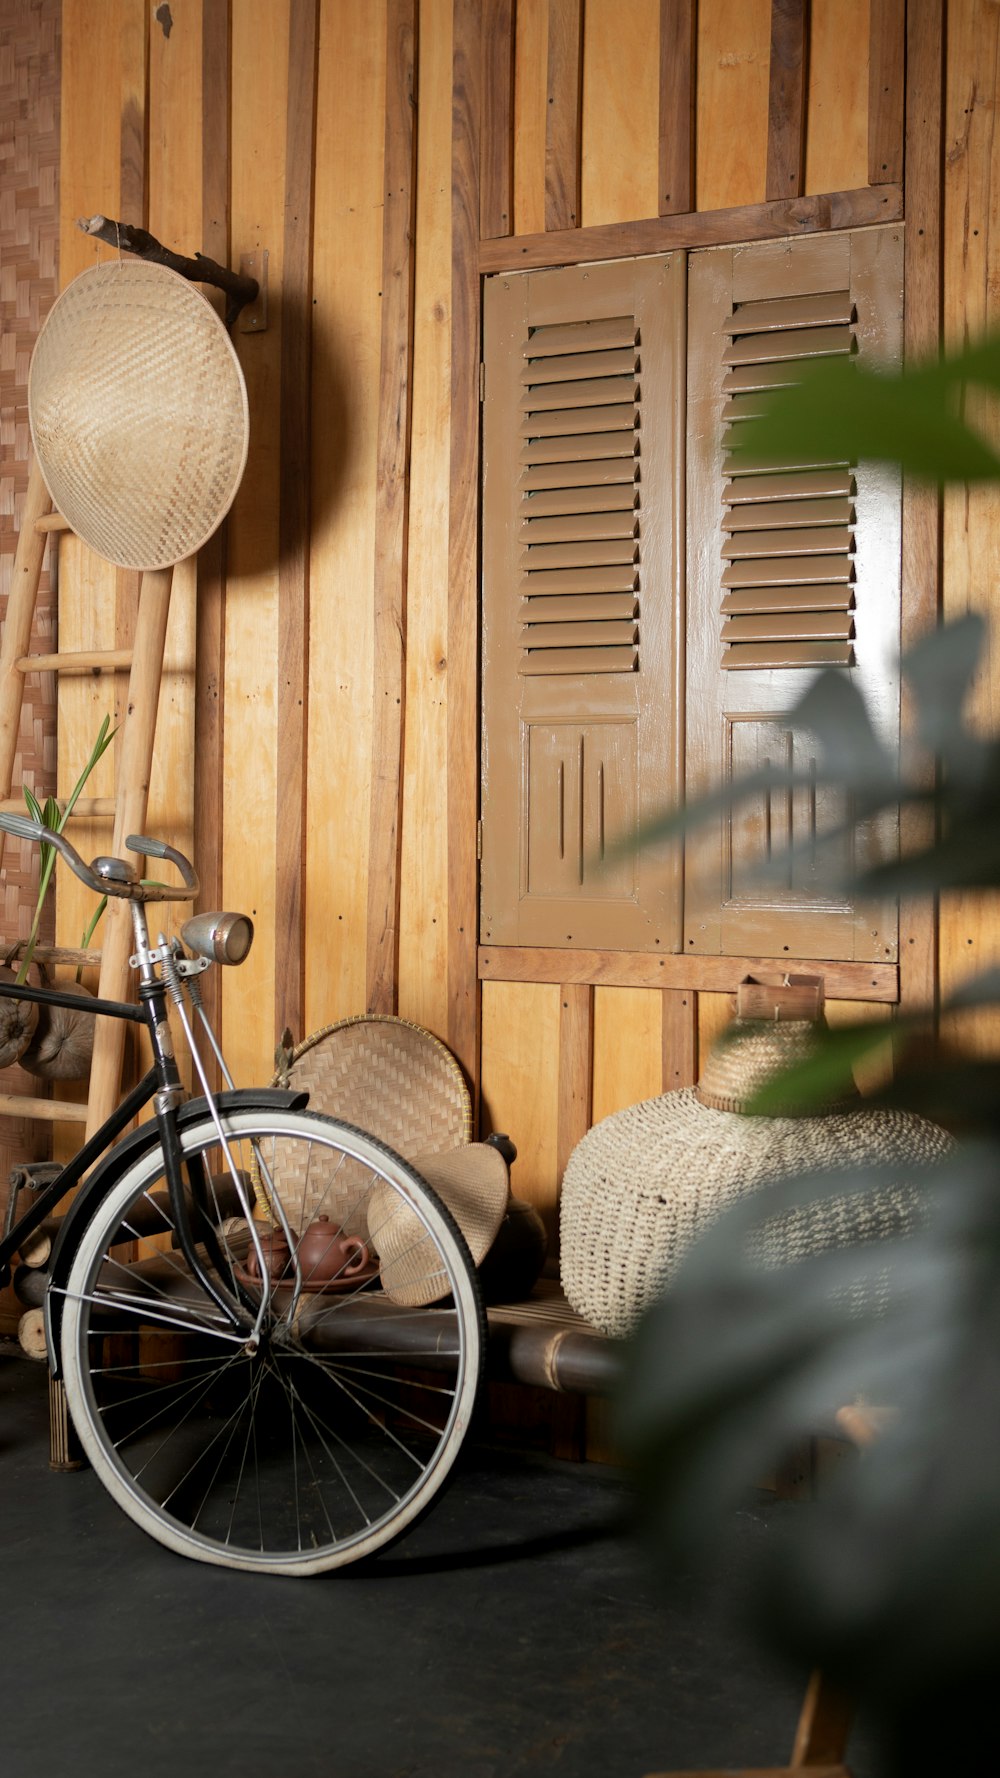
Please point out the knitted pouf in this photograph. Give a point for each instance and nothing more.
(643, 1183)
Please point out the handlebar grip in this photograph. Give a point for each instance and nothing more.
(137, 842)
(24, 828)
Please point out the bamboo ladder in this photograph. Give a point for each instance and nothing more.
(128, 806)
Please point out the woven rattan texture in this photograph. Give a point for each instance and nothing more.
(646, 1181)
(750, 1055)
(138, 413)
(29, 239)
(390, 1078)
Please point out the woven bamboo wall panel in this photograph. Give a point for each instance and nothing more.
(29, 253)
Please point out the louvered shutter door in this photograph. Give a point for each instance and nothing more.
(791, 566)
(582, 563)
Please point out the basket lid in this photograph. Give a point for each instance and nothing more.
(138, 413)
(777, 1026)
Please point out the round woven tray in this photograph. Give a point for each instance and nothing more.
(389, 1077)
(138, 413)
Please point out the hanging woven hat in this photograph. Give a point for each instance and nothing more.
(399, 1083)
(646, 1181)
(138, 413)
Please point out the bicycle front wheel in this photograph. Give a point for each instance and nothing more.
(321, 1439)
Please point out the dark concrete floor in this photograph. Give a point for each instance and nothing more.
(516, 1630)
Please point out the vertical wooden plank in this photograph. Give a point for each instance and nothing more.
(463, 510)
(174, 154)
(628, 1048)
(294, 517)
(496, 178)
(210, 633)
(922, 506)
(134, 150)
(347, 278)
(786, 100)
(837, 96)
(620, 111)
(259, 103)
(680, 1039)
(733, 63)
(970, 932)
(677, 101)
(423, 950)
(562, 131)
(392, 510)
(103, 119)
(886, 86)
(520, 1087)
(576, 1069)
(530, 114)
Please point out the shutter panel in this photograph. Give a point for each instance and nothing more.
(791, 567)
(582, 503)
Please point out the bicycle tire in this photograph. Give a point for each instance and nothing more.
(326, 1443)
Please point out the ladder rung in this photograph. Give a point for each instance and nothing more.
(55, 954)
(93, 807)
(53, 1111)
(94, 660)
(52, 521)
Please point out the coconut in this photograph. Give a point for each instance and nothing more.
(18, 1019)
(63, 1039)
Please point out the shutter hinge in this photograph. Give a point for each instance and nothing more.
(479, 841)
(482, 381)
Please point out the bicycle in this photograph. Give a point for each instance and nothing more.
(250, 1397)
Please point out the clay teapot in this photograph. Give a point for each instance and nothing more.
(327, 1252)
(277, 1255)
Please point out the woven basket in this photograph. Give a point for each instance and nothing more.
(138, 413)
(399, 1083)
(644, 1183)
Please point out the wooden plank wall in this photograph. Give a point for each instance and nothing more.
(319, 717)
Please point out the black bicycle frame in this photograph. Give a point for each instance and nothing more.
(162, 1082)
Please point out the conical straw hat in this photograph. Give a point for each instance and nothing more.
(138, 413)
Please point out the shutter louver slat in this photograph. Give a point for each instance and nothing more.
(616, 497)
(792, 626)
(791, 311)
(750, 379)
(581, 336)
(786, 527)
(591, 392)
(579, 660)
(749, 545)
(750, 466)
(777, 514)
(824, 597)
(580, 527)
(542, 609)
(788, 571)
(582, 447)
(614, 632)
(778, 486)
(612, 577)
(774, 348)
(580, 364)
(613, 470)
(579, 555)
(760, 655)
(561, 422)
(581, 386)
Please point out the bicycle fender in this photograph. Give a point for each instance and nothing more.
(107, 1174)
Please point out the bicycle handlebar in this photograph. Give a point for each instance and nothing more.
(23, 828)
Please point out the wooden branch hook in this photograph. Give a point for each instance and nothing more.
(239, 288)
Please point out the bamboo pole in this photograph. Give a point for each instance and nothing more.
(138, 730)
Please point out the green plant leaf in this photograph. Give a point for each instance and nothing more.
(840, 412)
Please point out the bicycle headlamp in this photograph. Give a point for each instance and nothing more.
(223, 938)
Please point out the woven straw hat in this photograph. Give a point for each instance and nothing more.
(402, 1085)
(138, 413)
